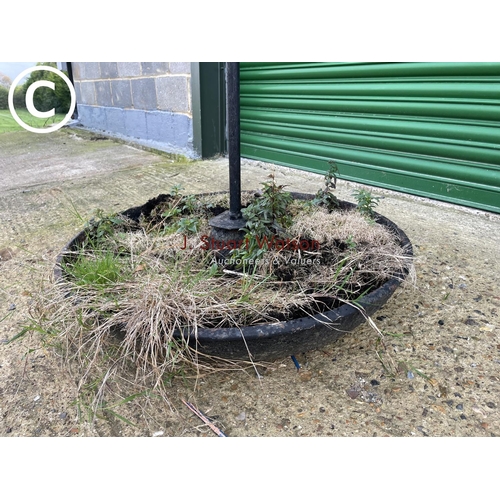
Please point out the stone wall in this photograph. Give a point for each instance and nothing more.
(147, 102)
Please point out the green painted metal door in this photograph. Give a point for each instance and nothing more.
(430, 129)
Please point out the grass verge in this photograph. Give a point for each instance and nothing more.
(8, 124)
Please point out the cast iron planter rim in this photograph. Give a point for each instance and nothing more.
(282, 328)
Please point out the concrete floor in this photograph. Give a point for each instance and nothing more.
(448, 322)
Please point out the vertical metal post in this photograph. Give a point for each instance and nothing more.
(228, 225)
(233, 125)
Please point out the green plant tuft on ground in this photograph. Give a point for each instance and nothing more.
(96, 270)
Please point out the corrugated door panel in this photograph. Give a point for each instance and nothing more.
(431, 129)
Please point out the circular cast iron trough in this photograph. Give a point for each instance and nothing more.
(273, 341)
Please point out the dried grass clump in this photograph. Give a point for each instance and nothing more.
(340, 226)
(118, 344)
(353, 254)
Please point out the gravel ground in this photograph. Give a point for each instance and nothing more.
(442, 331)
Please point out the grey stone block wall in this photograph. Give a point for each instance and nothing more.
(146, 101)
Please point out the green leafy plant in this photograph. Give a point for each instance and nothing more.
(269, 210)
(188, 225)
(366, 202)
(265, 216)
(176, 189)
(351, 244)
(171, 213)
(102, 225)
(179, 206)
(325, 196)
(189, 203)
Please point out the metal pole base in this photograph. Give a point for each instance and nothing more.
(226, 233)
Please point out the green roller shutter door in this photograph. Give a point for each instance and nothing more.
(430, 129)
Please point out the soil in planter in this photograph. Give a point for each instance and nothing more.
(165, 272)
